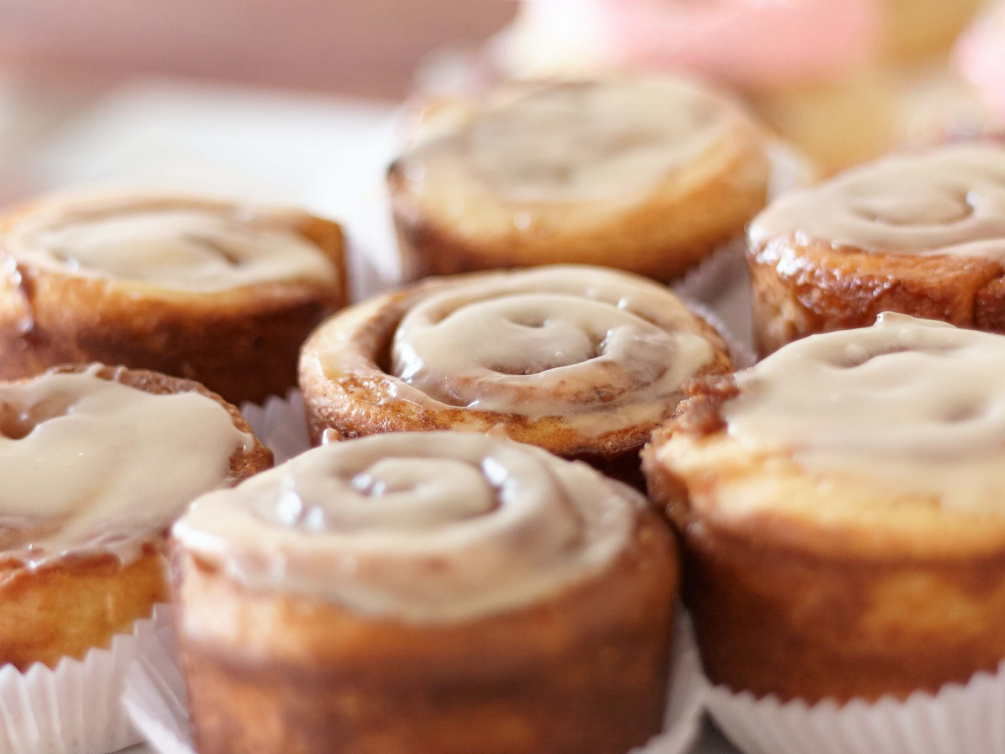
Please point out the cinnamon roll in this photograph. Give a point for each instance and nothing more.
(840, 507)
(96, 463)
(209, 290)
(646, 175)
(432, 593)
(581, 361)
(920, 233)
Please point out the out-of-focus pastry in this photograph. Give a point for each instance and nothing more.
(980, 58)
(581, 361)
(214, 291)
(96, 463)
(922, 233)
(435, 593)
(809, 69)
(918, 30)
(840, 508)
(648, 175)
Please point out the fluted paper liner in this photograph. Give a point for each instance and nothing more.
(157, 700)
(281, 425)
(959, 719)
(74, 708)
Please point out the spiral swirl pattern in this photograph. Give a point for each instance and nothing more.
(422, 526)
(914, 405)
(551, 341)
(945, 201)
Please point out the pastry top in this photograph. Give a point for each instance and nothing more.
(894, 433)
(602, 349)
(422, 527)
(169, 242)
(572, 142)
(92, 465)
(917, 405)
(945, 201)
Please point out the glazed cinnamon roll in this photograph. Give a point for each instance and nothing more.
(646, 175)
(208, 290)
(96, 464)
(840, 506)
(921, 233)
(581, 361)
(434, 592)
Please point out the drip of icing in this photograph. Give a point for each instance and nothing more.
(92, 465)
(426, 527)
(915, 406)
(176, 244)
(559, 341)
(578, 141)
(946, 201)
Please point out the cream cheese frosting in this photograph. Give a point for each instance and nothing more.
(168, 242)
(914, 406)
(575, 141)
(602, 349)
(949, 200)
(424, 527)
(91, 465)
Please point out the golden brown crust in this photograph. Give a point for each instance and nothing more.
(585, 672)
(802, 601)
(67, 607)
(241, 343)
(364, 401)
(801, 289)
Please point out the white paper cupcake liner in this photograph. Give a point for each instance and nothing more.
(281, 424)
(156, 698)
(74, 708)
(959, 719)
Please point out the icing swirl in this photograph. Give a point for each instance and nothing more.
(182, 244)
(946, 201)
(915, 406)
(602, 349)
(427, 527)
(575, 141)
(91, 465)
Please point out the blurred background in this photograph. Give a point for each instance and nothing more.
(299, 100)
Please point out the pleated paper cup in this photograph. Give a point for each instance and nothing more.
(281, 425)
(959, 719)
(74, 708)
(157, 701)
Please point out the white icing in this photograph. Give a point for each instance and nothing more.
(916, 406)
(601, 349)
(579, 141)
(946, 201)
(171, 243)
(92, 465)
(425, 527)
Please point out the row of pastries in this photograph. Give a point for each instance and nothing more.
(517, 471)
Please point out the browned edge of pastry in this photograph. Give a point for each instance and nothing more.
(241, 343)
(68, 606)
(780, 609)
(803, 289)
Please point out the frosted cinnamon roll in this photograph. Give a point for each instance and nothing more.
(581, 361)
(646, 175)
(218, 292)
(920, 233)
(96, 464)
(840, 506)
(435, 592)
